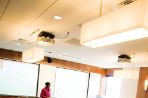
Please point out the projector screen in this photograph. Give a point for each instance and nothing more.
(18, 79)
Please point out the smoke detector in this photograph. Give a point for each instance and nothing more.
(124, 58)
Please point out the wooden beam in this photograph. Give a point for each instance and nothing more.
(74, 66)
(9, 54)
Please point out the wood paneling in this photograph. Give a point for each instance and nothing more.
(15, 97)
(74, 66)
(55, 62)
(143, 75)
(10, 54)
(8, 97)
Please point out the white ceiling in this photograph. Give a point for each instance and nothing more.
(19, 18)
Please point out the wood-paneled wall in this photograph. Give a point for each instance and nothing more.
(55, 62)
(143, 75)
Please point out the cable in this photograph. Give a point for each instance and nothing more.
(30, 22)
(101, 3)
(4, 10)
(39, 15)
(62, 37)
(43, 12)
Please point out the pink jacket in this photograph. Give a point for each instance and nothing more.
(45, 93)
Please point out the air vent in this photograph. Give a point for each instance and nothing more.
(126, 2)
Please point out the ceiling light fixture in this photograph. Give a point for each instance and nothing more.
(33, 55)
(57, 17)
(124, 24)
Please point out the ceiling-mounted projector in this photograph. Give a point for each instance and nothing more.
(124, 58)
(45, 38)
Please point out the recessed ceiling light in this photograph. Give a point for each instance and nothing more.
(57, 17)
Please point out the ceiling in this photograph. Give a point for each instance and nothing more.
(19, 18)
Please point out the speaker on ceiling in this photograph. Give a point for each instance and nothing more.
(49, 59)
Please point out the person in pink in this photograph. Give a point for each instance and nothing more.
(46, 93)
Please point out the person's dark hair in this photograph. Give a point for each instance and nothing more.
(47, 83)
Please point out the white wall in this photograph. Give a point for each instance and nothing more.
(123, 84)
(113, 87)
(128, 88)
(129, 82)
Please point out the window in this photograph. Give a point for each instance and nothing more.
(47, 74)
(17, 78)
(94, 85)
(71, 84)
